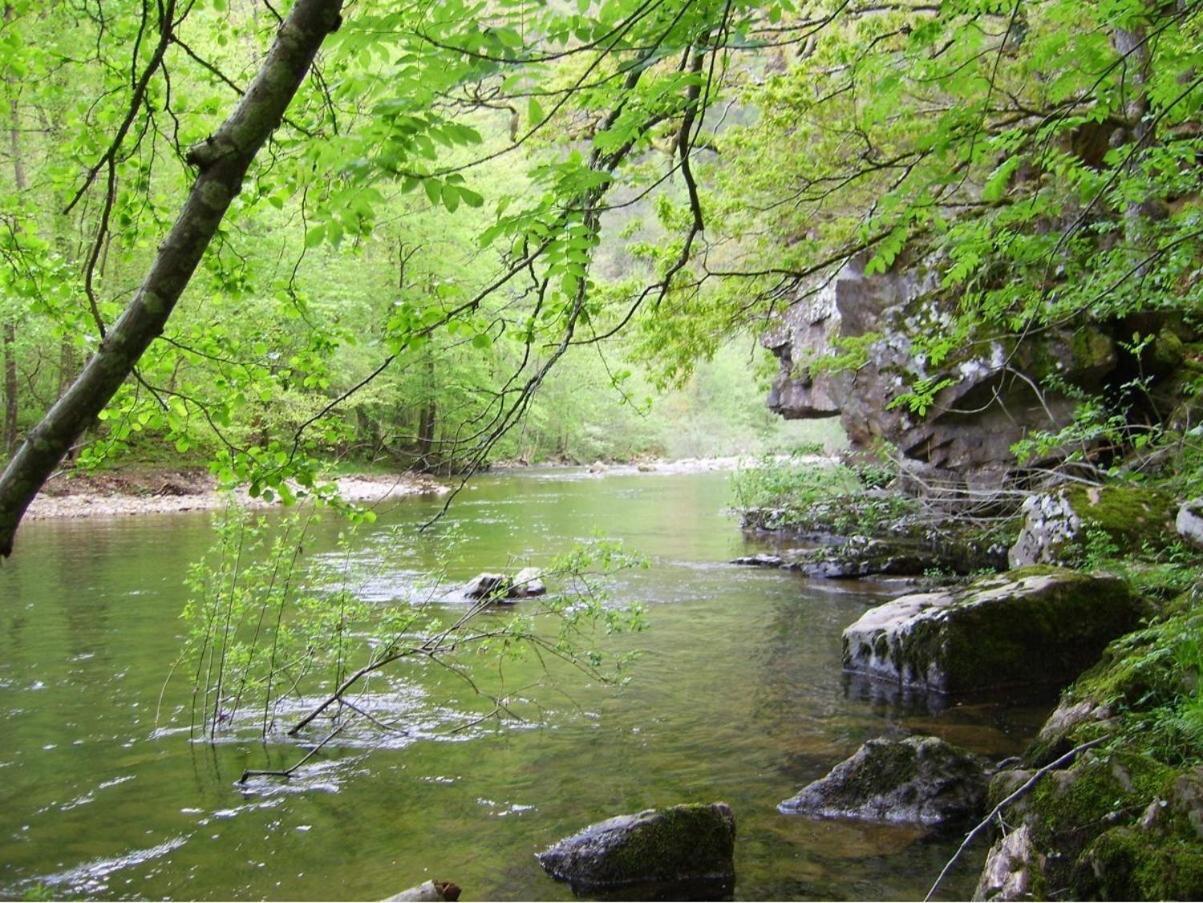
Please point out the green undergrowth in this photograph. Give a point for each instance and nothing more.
(795, 493)
(1125, 819)
(1152, 680)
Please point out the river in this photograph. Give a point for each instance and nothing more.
(737, 696)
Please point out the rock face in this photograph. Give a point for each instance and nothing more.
(1026, 628)
(1189, 522)
(919, 780)
(1058, 526)
(684, 850)
(987, 407)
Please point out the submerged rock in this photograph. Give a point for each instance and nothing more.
(687, 851)
(1026, 628)
(428, 892)
(919, 780)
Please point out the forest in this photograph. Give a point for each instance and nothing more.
(927, 276)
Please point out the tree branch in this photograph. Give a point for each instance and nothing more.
(223, 160)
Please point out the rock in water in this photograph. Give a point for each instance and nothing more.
(687, 851)
(527, 582)
(1189, 522)
(483, 585)
(1034, 627)
(760, 560)
(919, 780)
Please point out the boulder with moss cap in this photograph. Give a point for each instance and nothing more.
(1034, 627)
(917, 780)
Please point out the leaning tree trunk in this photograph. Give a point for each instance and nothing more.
(222, 161)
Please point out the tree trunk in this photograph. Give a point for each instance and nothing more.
(10, 326)
(222, 161)
(10, 386)
(428, 419)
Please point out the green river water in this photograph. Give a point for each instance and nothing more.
(737, 696)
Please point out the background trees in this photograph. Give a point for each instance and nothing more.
(462, 195)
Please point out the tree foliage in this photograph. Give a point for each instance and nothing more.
(463, 195)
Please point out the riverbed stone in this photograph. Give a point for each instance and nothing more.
(760, 560)
(863, 556)
(686, 850)
(917, 780)
(1033, 627)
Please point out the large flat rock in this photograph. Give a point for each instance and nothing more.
(1034, 627)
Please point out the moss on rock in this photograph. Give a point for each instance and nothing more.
(678, 845)
(1135, 518)
(1125, 820)
(1030, 627)
(918, 780)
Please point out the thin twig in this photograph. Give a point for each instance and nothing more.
(287, 772)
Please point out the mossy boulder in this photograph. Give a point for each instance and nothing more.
(1034, 627)
(919, 780)
(1060, 526)
(1114, 825)
(687, 851)
(1123, 820)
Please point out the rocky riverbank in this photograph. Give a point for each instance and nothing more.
(157, 491)
(1090, 589)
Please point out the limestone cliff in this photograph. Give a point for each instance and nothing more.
(999, 386)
